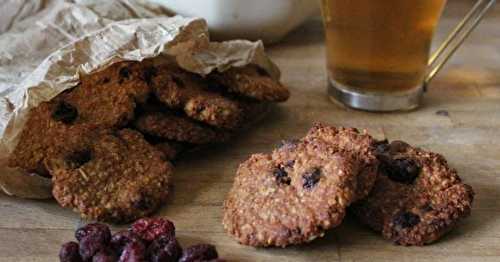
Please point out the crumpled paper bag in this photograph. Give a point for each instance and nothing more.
(45, 45)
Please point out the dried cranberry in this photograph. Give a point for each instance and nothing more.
(382, 146)
(124, 72)
(282, 176)
(406, 220)
(151, 228)
(403, 170)
(133, 252)
(311, 178)
(79, 158)
(149, 73)
(91, 245)
(101, 231)
(178, 81)
(262, 72)
(65, 113)
(200, 252)
(69, 252)
(164, 249)
(104, 256)
(122, 238)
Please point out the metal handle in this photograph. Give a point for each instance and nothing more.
(456, 38)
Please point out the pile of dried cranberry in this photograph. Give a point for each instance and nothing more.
(148, 239)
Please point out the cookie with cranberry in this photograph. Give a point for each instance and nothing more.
(109, 97)
(351, 141)
(290, 196)
(51, 126)
(169, 126)
(251, 81)
(116, 177)
(102, 100)
(179, 89)
(417, 197)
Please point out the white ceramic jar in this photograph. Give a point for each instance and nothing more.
(268, 20)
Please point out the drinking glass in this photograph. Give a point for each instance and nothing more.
(378, 51)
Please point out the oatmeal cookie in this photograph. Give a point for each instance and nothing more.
(169, 126)
(51, 126)
(351, 141)
(117, 177)
(102, 100)
(186, 91)
(109, 97)
(251, 81)
(417, 197)
(291, 196)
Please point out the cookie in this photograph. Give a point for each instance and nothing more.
(251, 81)
(351, 141)
(169, 126)
(417, 197)
(50, 127)
(116, 177)
(109, 97)
(291, 196)
(182, 90)
(105, 99)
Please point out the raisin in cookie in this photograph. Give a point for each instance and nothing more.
(291, 196)
(109, 97)
(251, 81)
(351, 141)
(417, 197)
(117, 177)
(186, 91)
(102, 100)
(50, 126)
(169, 126)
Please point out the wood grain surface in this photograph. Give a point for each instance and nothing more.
(468, 89)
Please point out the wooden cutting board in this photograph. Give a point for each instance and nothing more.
(468, 89)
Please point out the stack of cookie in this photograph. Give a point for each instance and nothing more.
(108, 142)
(303, 188)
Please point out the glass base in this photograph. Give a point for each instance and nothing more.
(374, 101)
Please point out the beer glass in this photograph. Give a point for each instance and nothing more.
(378, 51)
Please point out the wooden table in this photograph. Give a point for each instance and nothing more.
(468, 88)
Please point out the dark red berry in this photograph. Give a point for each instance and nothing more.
(91, 245)
(124, 72)
(122, 238)
(406, 220)
(69, 252)
(100, 231)
(200, 252)
(262, 72)
(133, 252)
(164, 249)
(149, 73)
(65, 112)
(104, 256)
(311, 178)
(403, 170)
(151, 228)
(282, 176)
(382, 146)
(79, 158)
(178, 81)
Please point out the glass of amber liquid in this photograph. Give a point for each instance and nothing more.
(378, 51)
